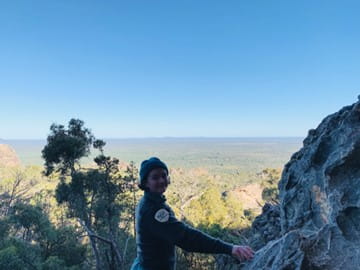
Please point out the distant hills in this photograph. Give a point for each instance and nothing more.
(8, 156)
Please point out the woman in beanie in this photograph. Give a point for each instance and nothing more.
(158, 230)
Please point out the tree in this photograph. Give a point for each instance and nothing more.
(12, 191)
(65, 147)
(271, 178)
(28, 240)
(94, 196)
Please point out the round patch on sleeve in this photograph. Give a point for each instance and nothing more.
(162, 215)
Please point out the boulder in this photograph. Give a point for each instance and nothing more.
(266, 227)
(319, 201)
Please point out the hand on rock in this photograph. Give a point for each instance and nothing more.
(242, 253)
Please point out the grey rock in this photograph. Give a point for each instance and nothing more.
(319, 201)
(283, 253)
(266, 227)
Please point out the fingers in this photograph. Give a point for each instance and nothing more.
(239, 256)
(243, 252)
(248, 253)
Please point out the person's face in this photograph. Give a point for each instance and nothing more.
(157, 180)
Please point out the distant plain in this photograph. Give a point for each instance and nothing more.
(221, 156)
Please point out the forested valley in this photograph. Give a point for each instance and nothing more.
(71, 215)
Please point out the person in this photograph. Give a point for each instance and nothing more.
(158, 231)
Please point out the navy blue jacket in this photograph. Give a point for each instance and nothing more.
(158, 231)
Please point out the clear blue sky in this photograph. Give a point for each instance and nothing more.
(176, 68)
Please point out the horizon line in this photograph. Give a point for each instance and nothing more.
(168, 137)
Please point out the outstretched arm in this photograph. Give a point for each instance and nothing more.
(190, 239)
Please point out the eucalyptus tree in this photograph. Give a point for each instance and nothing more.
(28, 240)
(95, 196)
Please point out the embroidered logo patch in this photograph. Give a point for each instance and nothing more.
(162, 215)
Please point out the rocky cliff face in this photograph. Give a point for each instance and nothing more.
(317, 224)
(8, 157)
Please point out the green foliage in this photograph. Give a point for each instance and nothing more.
(271, 178)
(26, 254)
(53, 263)
(96, 197)
(214, 211)
(210, 204)
(64, 244)
(32, 239)
(4, 228)
(65, 147)
(10, 260)
(219, 214)
(30, 218)
(27, 237)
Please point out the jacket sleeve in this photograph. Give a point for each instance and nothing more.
(184, 236)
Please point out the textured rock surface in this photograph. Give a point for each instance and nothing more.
(266, 227)
(320, 201)
(8, 157)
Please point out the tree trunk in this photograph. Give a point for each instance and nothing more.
(93, 244)
(108, 241)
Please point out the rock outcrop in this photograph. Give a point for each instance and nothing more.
(319, 222)
(266, 227)
(8, 156)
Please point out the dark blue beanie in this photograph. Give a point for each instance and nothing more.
(146, 166)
